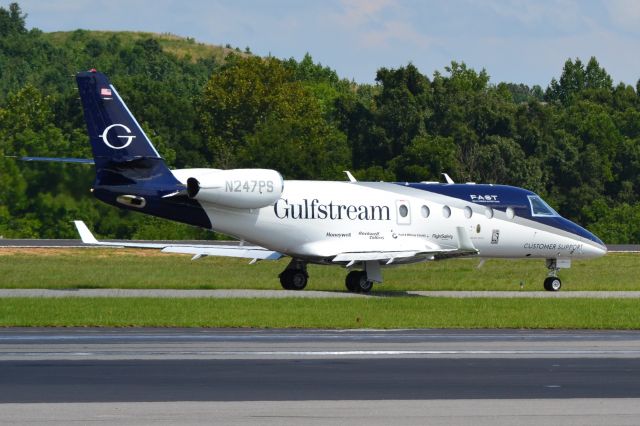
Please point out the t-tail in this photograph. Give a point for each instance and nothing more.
(130, 172)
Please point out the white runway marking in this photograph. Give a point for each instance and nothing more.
(31, 344)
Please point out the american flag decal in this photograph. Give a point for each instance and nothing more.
(105, 92)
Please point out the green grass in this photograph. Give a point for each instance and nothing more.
(120, 268)
(378, 313)
(112, 268)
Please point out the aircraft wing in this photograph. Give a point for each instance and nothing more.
(197, 250)
(465, 248)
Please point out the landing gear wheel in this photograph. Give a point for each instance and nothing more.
(357, 282)
(293, 279)
(352, 281)
(552, 284)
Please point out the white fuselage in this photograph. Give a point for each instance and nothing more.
(316, 220)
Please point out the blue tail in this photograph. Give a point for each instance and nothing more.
(129, 171)
(114, 132)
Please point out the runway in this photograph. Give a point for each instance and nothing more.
(319, 376)
(82, 344)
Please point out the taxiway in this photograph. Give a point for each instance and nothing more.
(133, 376)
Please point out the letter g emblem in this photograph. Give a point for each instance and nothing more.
(129, 137)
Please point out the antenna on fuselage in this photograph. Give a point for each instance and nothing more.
(447, 178)
(350, 176)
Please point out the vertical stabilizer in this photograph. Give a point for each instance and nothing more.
(123, 154)
(114, 132)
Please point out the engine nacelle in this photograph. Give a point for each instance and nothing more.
(238, 188)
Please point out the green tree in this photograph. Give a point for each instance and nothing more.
(12, 21)
(426, 158)
(576, 78)
(255, 113)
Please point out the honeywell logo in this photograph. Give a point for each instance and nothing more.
(314, 209)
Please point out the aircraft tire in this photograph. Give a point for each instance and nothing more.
(357, 282)
(351, 281)
(552, 284)
(364, 286)
(294, 279)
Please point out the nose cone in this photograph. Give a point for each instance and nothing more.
(593, 246)
(591, 249)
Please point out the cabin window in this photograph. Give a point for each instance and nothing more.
(510, 213)
(446, 211)
(425, 211)
(488, 212)
(540, 208)
(468, 212)
(403, 212)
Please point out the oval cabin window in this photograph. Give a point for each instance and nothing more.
(446, 211)
(488, 212)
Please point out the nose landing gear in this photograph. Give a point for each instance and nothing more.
(552, 282)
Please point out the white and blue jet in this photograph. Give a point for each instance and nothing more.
(362, 226)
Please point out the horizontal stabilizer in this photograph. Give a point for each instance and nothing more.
(59, 160)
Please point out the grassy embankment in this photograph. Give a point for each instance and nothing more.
(182, 47)
(97, 268)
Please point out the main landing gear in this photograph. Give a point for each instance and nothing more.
(295, 277)
(357, 282)
(362, 281)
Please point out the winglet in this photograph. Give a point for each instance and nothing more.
(86, 235)
(447, 178)
(350, 176)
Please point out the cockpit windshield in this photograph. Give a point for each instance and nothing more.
(540, 208)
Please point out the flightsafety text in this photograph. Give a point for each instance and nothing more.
(314, 209)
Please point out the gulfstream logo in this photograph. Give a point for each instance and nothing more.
(314, 209)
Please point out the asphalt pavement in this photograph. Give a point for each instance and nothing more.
(309, 377)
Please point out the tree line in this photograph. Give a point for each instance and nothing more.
(576, 142)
